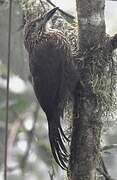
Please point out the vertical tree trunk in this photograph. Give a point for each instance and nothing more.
(85, 143)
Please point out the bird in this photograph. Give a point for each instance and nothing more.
(54, 77)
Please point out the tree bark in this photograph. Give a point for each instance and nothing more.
(85, 144)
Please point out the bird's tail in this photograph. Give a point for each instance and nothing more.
(57, 140)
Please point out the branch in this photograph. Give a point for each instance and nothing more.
(107, 177)
(43, 6)
(113, 42)
(103, 171)
(110, 43)
(51, 174)
(63, 12)
(30, 138)
(7, 90)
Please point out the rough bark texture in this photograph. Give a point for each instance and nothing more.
(91, 22)
(85, 143)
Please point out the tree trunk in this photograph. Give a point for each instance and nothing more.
(85, 144)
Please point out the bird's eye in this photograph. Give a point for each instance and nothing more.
(34, 25)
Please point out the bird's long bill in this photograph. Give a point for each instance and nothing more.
(49, 14)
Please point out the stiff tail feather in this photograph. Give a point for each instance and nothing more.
(57, 139)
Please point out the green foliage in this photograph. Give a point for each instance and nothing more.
(108, 148)
(21, 105)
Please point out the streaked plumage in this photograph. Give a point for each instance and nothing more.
(54, 77)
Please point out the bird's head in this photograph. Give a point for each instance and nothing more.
(39, 24)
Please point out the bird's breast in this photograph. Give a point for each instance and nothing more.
(45, 39)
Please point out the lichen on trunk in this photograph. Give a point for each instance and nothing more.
(87, 123)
